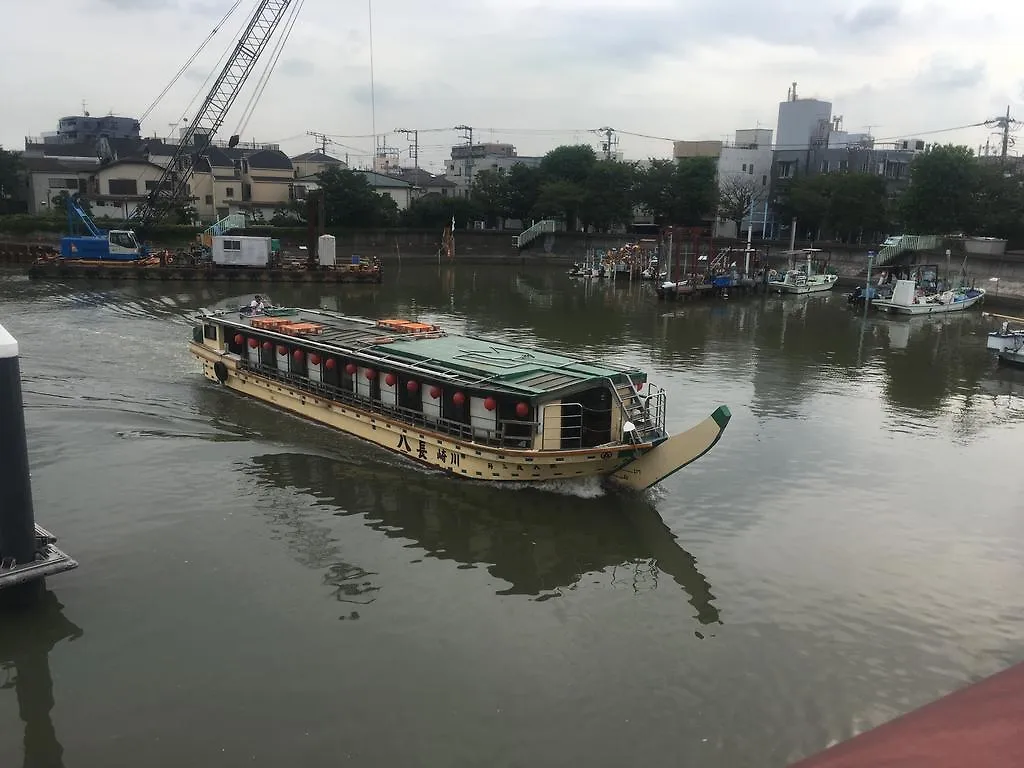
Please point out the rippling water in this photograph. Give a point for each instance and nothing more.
(256, 590)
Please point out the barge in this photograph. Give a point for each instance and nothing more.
(152, 269)
(471, 407)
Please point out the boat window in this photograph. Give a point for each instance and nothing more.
(123, 240)
(210, 331)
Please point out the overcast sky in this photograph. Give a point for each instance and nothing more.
(533, 73)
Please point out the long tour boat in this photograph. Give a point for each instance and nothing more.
(475, 408)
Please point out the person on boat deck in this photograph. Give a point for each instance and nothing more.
(256, 305)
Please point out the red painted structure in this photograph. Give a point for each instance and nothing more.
(980, 726)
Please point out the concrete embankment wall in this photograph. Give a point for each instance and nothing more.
(475, 247)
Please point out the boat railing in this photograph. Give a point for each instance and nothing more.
(656, 403)
(498, 437)
(561, 423)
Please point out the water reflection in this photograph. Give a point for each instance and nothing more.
(25, 644)
(540, 544)
(789, 349)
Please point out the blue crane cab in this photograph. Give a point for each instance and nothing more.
(97, 244)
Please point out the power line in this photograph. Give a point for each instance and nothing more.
(188, 63)
(415, 144)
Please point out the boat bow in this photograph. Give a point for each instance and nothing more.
(674, 453)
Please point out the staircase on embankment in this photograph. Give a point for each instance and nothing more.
(528, 235)
(229, 222)
(888, 253)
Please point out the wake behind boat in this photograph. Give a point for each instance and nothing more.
(473, 407)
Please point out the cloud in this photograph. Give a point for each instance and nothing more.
(139, 6)
(543, 73)
(945, 75)
(296, 67)
(870, 18)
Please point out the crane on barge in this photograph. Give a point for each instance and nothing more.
(171, 190)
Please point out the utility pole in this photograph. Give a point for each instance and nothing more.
(1006, 133)
(415, 144)
(609, 142)
(1003, 123)
(320, 137)
(468, 130)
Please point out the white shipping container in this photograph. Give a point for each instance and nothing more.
(326, 250)
(236, 251)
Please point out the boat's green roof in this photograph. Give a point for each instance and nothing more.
(450, 358)
(493, 362)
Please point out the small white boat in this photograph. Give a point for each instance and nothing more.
(1005, 339)
(906, 299)
(805, 278)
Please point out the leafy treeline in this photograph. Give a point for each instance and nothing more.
(950, 191)
(571, 184)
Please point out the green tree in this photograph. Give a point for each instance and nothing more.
(560, 199)
(10, 166)
(569, 162)
(523, 189)
(607, 199)
(736, 195)
(435, 212)
(350, 201)
(679, 193)
(808, 199)
(943, 185)
(998, 203)
(492, 195)
(59, 204)
(858, 205)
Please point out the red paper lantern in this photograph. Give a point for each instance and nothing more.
(267, 345)
(390, 379)
(330, 363)
(297, 356)
(253, 343)
(282, 350)
(490, 403)
(522, 410)
(350, 369)
(239, 339)
(639, 386)
(370, 374)
(412, 385)
(435, 392)
(458, 398)
(314, 359)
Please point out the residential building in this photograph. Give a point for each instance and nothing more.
(425, 183)
(312, 163)
(79, 129)
(744, 171)
(115, 189)
(809, 141)
(44, 178)
(399, 190)
(467, 161)
(681, 149)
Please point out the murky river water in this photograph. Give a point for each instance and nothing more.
(258, 591)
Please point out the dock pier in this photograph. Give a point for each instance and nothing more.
(28, 552)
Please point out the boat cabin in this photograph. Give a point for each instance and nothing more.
(474, 389)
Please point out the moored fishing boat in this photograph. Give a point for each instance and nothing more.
(809, 277)
(1006, 338)
(473, 407)
(908, 299)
